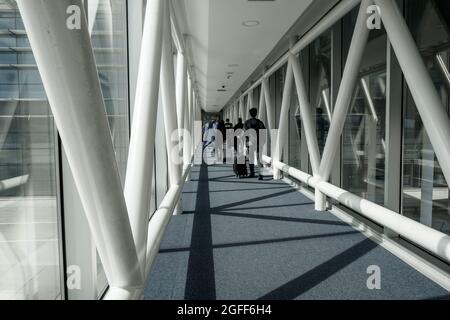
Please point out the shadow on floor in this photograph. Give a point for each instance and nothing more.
(263, 240)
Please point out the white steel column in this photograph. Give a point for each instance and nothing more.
(191, 113)
(241, 108)
(67, 66)
(429, 104)
(263, 117)
(169, 103)
(393, 154)
(262, 107)
(284, 118)
(142, 143)
(307, 120)
(236, 112)
(344, 98)
(187, 154)
(251, 102)
(247, 107)
(197, 122)
(269, 106)
(180, 88)
(427, 183)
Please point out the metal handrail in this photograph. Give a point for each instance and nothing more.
(434, 241)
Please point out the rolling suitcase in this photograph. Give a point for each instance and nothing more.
(240, 170)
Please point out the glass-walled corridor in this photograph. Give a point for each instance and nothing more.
(384, 155)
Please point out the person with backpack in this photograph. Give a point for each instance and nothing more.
(254, 124)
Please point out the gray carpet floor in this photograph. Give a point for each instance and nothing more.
(249, 239)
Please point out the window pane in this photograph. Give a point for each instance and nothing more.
(320, 83)
(277, 81)
(29, 237)
(363, 156)
(295, 130)
(425, 190)
(107, 26)
(109, 39)
(107, 18)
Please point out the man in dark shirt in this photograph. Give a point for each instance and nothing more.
(254, 124)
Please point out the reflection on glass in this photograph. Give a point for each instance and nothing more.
(279, 78)
(107, 23)
(364, 140)
(295, 131)
(29, 239)
(107, 19)
(364, 147)
(425, 190)
(276, 83)
(320, 81)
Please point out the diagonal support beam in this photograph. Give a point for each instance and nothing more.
(269, 105)
(251, 102)
(142, 143)
(67, 66)
(284, 117)
(236, 112)
(348, 84)
(307, 119)
(181, 79)
(248, 106)
(241, 108)
(429, 105)
(191, 115)
(262, 106)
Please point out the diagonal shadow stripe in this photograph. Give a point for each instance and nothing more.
(262, 242)
(242, 181)
(271, 207)
(312, 278)
(239, 190)
(221, 177)
(284, 219)
(246, 201)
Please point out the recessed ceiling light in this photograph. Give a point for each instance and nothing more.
(251, 23)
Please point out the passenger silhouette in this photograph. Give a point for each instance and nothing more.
(239, 166)
(254, 124)
(221, 144)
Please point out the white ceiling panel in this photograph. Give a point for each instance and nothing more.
(224, 51)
